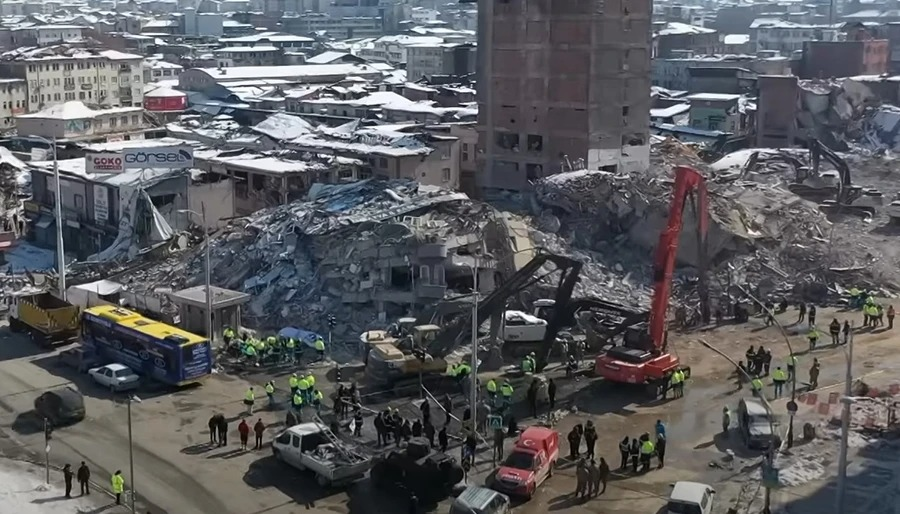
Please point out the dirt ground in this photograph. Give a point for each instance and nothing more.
(178, 472)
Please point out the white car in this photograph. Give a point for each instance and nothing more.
(117, 377)
(690, 498)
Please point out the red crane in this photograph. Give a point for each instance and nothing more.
(643, 358)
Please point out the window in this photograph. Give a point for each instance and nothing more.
(137, 78)
(445, 175)
(535, 143)
(79, 201)
(56, 97)
(56, 81)
(81, 95)
(113, 122)
(102, 79)
(134, 119)
(124, 120)
(465, 151)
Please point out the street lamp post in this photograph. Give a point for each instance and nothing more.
(209, 311)
(473, 376)
(845, 427)
(131, 399)
(770, 453)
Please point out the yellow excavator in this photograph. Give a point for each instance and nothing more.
(398, 357)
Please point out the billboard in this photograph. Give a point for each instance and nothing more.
(104, 163)
(181, 156)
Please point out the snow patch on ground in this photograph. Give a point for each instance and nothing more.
(23, 491)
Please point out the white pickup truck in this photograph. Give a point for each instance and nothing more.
(313, 447)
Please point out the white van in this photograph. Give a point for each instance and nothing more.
(690, 498)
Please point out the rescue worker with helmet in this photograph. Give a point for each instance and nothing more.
(647, 451)
(756, 386)
(492, 389)
(506, 390)
(320, 348)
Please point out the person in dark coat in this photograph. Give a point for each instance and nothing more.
(406, 430)
(259, 429)
(590, 439)
(84, 478)
(574, 438)
(442, 439)
(213, 428)
(448, 407)
(531, 395)
(661, 450)
(425, 409)
(417, 428)
(68, 475)
(635, 455)
(357, 421)
(428, 430)
(380, 429)
(604, 474)
(244, 431)
(551, 393)
(624, 447)
(222, 426)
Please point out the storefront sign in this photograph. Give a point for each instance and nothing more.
(104, 163)
(101, 204)
(163, 157)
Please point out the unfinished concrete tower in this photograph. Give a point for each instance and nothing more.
(562, 84)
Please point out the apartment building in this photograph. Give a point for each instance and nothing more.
(567, 82)
(425, 60)
(61, 73)
(394, 48)
(338, 27)
(12, 102)
(75, 120)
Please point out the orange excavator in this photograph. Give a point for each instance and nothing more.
(643, 357)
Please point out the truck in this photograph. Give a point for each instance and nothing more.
(49, 320)
(529, 464)
(418, 469)
(313, 447)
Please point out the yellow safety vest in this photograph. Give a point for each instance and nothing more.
(492, 386)
(680, 377)
(674, 378)
(249, 396)
(270, 389)
(251, 350)
(228, 332)
(506, 390)
(294, 382)
(290, 343)
(118, 484)
(318, 395)
(271, 340)
(647, 448)
(320, 345)
(756, 384)
(303, 384)
(526, 365)
(779, 376)
(298, 399)
(813, 334)
(311, 380)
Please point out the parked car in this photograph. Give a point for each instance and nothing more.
(117, 377)
(480, 500)
(755, 425)
(690, 498)
(60, 406)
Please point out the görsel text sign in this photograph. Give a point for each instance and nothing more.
(104, 163)
(174, 157)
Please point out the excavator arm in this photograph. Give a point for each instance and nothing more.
(689, 186)
(818, 150)
(461, 328)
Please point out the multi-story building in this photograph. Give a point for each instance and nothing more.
(75, 120)
(248, 56)
(787, 37)
(394, 48)
(12, 101)
(566, 82)
(339, 27)
(425, 60)
(776, 114)
(43, 35)
(672, 36)
(276, 39)
(61, 73)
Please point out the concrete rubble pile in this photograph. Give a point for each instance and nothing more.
(761, 236)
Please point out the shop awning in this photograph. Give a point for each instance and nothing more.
(44, 222)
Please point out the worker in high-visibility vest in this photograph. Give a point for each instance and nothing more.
(270, 393)
(320, 348)
(294, 382)
(647, 449)
(250, 352)
(506, 390)
(228, 334)
(118, 486)
(756, 386)
(291, 354)
(492, 389)
(779, 377)
(813, 337)
(791, 366)
(297, 404)
(249, 399)
(673, 383)
(303, 388)
(317, 400)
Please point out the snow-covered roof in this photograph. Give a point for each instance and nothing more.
(674, 28)
(75, 110)
(65, 52)
(298, 72)
(76, 167)
(281, 126)
(327, 57)
(713, 97)
(736, 39)
(672, 110)
(245, 49)
(276, 37)
(163, 92)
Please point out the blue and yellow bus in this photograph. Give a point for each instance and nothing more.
(149, 347)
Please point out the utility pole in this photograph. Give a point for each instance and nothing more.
(209, 293)
(60, 244)
(473, 375)
(48, 430)
(845, 427)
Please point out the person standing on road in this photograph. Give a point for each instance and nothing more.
(802, 313)
(574, 438)
(259, 428)
(249, 399)
(779, 377)
(581, 479)
(551, 393)
(812, 315)
(84, 477)
(68, 475)
(814, 375)
(442, 439)
(270, 393)
(846, 331)
(726, 419)
(213, 427)
(357, 421)
(604, 474)
(590, 439)
(593, 483)
(890, 316)
(791, 366)
(834, 328)
(244, 431)
(118, 486)
(661, 450)
(498, 444)
(623, 451)
(223, 430)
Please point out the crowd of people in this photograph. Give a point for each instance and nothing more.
(273, 349)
